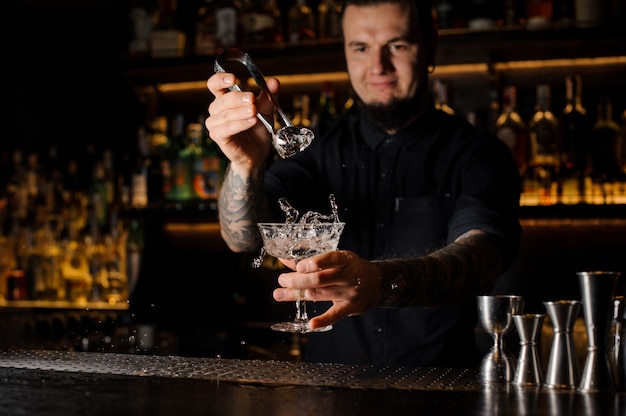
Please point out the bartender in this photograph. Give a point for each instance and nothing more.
(430, 203)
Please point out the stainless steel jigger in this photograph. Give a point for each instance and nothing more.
(597, 289)
(495, 313)
(528, 371)
(289, 139)
(619, 350)
(563, 368)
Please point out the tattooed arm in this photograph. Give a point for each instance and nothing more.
(465, 268)
(241, 204)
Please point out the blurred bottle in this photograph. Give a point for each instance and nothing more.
(139, 180)
(605, 141)
(227, 13)
(512, 130)
(564, 14)
(140, 18)
(300, 22)
(445, 14)
(14, 264)
(134, 252)
(75, 271)
(301, 110)
(621, 145)
(329, 19)
(205, 37)
(512, 13)
(98, 197)
(539, 14)
(261, 22)
(109, 176)
(440, 90)
(544, 143)
(482, 14)
(327, 114)
(167, 40)
(117, 284)
(574, 128)
(180, 184)
(206, 163)
(590, 13)
(164, 151)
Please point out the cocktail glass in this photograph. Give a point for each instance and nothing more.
(297, 241)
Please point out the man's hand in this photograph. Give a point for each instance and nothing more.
(342, 277)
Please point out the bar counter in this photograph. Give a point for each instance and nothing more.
(72, 383)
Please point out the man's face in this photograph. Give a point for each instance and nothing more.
(383, 56)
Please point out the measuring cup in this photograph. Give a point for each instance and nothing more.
(289, 139)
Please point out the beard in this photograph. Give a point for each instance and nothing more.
(394, 115)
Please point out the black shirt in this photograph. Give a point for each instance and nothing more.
(401, 195)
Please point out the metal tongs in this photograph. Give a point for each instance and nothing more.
(289, 139)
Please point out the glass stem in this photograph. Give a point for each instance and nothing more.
(301, 314)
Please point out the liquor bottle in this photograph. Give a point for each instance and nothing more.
(512, 15)
(590, 13)
(180, 187)
(539, 14)
(98, 197)
(109, 176)
(564, 14)
(163, 152)
(327, 114)
(512, 130)
(260, 22)
(621, 146)
(139, 179)
(440, 88)
(134, 251)
(574, 128)
(544, 143)
(140, 19)
(166, 39)
(605, 140)
(300, 22)
(205, 163)
(482, 14)
(329, 19)
(205, 37)
(445, 11)
(301, 110)
(227, 13)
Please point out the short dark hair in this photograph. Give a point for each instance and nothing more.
(421, 12)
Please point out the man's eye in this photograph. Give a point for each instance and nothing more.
(398, 47)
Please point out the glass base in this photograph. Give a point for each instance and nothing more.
(298, 326)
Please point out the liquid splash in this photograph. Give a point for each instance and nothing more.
(298, 250)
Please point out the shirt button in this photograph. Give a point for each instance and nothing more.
(380, 225)
(378, 329)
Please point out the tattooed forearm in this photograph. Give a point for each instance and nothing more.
(463, 269)
(241, 204)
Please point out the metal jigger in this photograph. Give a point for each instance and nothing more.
(563, 369)
(597, 290)
(495, 313)
(619, 350)
(528, 371)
